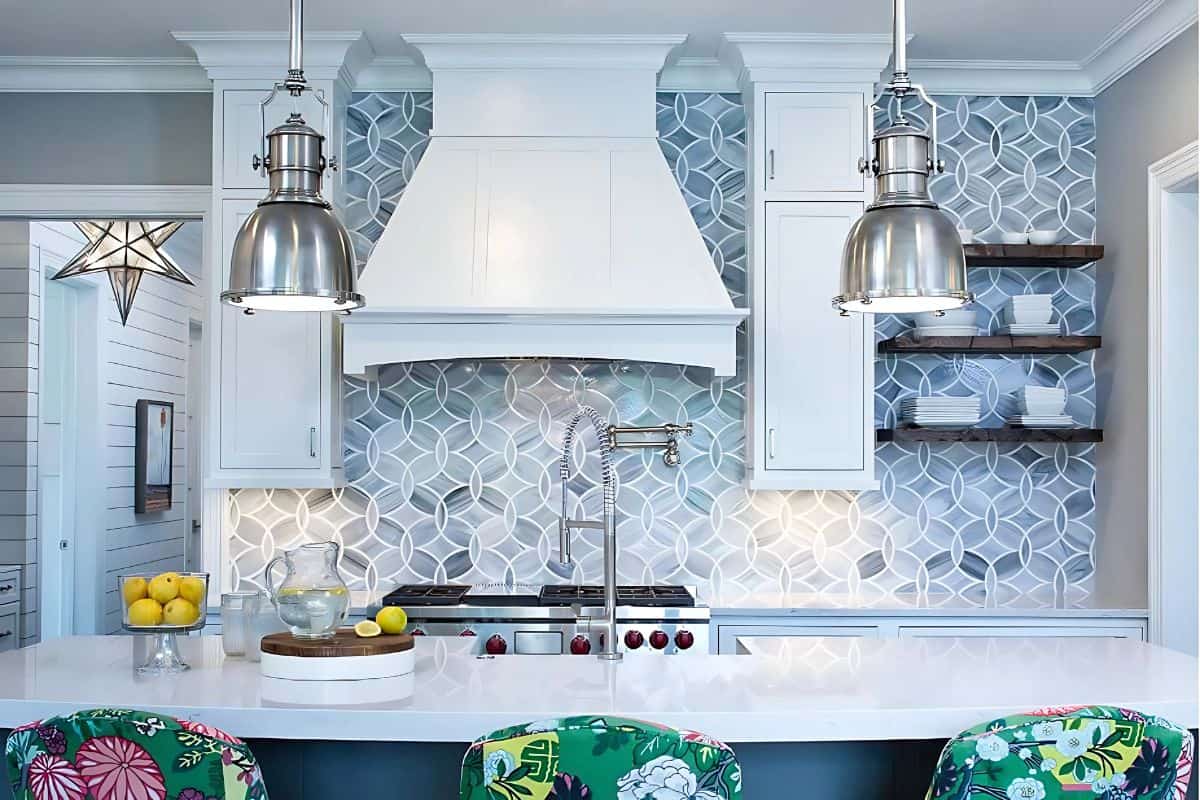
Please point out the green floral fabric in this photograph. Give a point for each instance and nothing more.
(599, 758)
(1067, 752)
(111, 754)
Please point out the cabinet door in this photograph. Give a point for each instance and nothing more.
(815, 364)
(242, 120)
(813, 142)
(1019, 631)
(729, 636)
(271, 370)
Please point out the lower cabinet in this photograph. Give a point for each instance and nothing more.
(729, 630)
(10, 608)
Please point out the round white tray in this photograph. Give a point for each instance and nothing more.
(374, 691)
(344, 668)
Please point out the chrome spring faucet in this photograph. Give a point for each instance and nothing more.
(607, 441)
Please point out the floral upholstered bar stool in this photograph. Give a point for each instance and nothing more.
(1066, 752)
(598, 758)
(108, 754)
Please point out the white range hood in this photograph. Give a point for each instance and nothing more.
(543, 219)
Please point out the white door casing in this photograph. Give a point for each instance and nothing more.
(1173, 399)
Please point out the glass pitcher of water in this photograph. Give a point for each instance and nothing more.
(312, 599)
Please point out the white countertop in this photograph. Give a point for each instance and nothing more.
(813, 689)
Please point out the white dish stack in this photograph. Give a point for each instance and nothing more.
(940, 412)
(1029, 315)
(1041, 407)
(953, 322)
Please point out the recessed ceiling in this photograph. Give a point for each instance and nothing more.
(943, 29)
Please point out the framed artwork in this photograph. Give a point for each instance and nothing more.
(153, 448)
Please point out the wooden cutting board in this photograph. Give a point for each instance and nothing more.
(343, 644)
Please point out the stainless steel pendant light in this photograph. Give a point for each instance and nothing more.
(903, 255)
(292, 253)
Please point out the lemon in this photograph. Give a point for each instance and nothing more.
(180, 612)
(145, 612)
(392, 619)
(134, 589)
(165, 588)
(366, 629)
(192, 590)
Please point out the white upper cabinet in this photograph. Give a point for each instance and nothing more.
(813, 141)
(814, 377)
(279, 398)
(810, 420)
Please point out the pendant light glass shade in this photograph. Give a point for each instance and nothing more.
(125, 249)
(292, 253)
(903, 255)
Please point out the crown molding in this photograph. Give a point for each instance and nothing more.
(468, 51)
(1142, 34)
(73, 74)
(988, 77)
(804, 57)
(390, 74)
(697, 74)
(263, 55)
(743, 57)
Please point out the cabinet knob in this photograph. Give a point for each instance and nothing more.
(312, 442)
(770, 442)
(771, 164)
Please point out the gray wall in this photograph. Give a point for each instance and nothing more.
(116, 138)
(1149, 113)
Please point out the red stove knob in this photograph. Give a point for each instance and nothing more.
(634, 639)
(495, 645)
(684, 640)
(659, 640)
(418, 632)
(467, 632)
(580, 646)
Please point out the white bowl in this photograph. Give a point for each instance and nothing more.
(1014, 238)
(952, 316)
(1043, 237)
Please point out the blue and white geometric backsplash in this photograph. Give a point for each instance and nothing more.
(451, 464)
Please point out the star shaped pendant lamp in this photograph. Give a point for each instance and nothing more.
(125, 249)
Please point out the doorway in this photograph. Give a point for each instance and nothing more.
(68, 409)
(1174, 399)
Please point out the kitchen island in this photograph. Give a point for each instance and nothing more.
(830, 710)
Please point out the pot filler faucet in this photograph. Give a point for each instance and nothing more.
(607, 439)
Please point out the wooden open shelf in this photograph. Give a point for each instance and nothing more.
(1033, 256)
(1065, 435)
(991, 345)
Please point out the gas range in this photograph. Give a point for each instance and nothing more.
(553, 619)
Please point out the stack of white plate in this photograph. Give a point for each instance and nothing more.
(954, 322)
(1041, 407)
(940, 412)
(1028, 309)
(1048, 329)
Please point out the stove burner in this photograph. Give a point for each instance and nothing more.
(499, 594)
(648, 596)
(416, 594)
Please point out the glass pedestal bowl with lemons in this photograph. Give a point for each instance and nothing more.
(163, 606)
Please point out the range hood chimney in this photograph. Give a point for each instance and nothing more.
(543, 219)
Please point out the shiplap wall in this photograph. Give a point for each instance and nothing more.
(19, 311)
(147, 358)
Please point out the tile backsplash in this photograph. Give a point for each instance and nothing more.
(451, 464)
